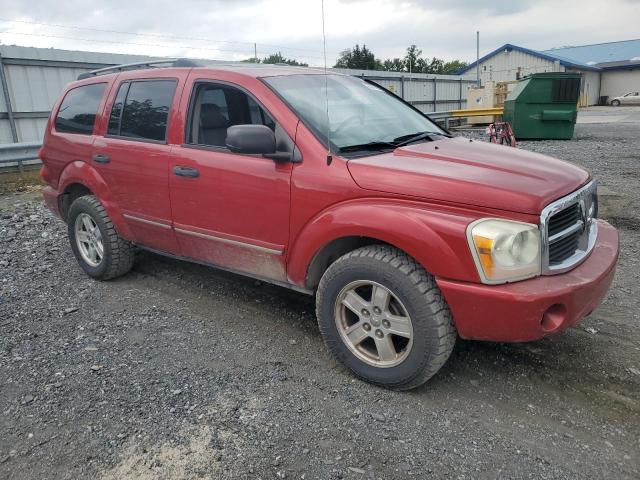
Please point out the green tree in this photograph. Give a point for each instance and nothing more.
(276, 58)
(358, 58)
(364, 59)
(279, 58)
(434, 65)
(411, 58)
(453, 67)
(393, 65)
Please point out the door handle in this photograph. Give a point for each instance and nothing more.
(101, 158)
(185, 171)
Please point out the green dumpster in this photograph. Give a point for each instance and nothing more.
(544, 106)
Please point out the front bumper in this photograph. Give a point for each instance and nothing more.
(532, 309)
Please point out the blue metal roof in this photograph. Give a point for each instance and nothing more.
(599, 52)
(583, 57)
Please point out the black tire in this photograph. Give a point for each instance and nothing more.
(615, 103)
(434, 334)
(118, 254)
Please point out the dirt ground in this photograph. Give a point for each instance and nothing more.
(180, 371)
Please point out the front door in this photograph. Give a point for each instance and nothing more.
(133, 158)
(231, 210)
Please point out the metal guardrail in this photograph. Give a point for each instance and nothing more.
(477, 112)
(17, 156)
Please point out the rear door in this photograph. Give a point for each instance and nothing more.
(71, 133)
(230, 209)
(133, 157)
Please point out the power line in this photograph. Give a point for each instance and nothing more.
(152, 35)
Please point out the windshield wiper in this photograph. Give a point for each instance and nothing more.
(397, 142)
(376, 145)
(415, 137)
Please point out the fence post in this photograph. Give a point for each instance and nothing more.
(435, 94)
(402, 86)
(7, 102)
(460, 96)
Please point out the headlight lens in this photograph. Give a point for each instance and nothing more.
(504, 250)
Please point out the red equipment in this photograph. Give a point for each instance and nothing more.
(502, 131)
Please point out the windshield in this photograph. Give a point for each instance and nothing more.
(359, 113)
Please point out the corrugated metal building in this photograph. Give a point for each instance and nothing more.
(608, 69)
(34, 77)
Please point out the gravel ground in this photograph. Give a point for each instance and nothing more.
(181, 371)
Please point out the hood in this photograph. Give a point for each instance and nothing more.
(459, 170)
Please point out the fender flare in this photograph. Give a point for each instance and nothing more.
(435, 237)
(84, 174)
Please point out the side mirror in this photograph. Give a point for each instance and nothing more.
(251, 139)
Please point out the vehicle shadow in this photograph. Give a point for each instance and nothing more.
(560, 363)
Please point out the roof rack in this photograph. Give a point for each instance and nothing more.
(176, 62)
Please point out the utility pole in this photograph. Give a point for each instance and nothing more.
(409, 71)
(478, 58)
(7, 102)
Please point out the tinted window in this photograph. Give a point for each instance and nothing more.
(259, 115)
(116, 110)
(146, 110)
(78, 110)
(217, 107)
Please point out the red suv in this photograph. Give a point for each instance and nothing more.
(332, 186)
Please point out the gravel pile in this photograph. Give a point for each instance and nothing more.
(181, 371)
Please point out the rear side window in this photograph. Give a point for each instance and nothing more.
(141, 109)
(77, 113)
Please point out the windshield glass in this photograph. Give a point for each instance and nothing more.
(359, 113)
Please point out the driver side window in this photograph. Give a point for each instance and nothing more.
(216, 107)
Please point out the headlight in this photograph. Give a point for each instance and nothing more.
(504, 251)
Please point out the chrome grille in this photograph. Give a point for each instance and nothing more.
(564, 219)
(569, 230)
(562, 249)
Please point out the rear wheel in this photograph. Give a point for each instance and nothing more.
(100, 251)
(382, 315)
(615, 103)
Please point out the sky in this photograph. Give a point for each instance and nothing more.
(228, 29)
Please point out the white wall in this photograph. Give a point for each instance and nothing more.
(619, 82)
(590, 86)
(504, 66)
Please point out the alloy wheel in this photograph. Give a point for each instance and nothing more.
(89, 239)
(373, 323)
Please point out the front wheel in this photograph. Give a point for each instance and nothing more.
(615, 103)
(382, 315)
